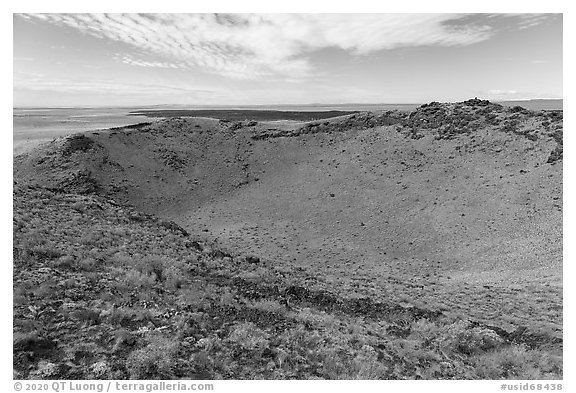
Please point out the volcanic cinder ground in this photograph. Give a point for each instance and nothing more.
(452, 207)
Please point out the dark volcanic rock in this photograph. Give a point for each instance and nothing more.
(172, 226)
(558, 136)
(477, 102)
(80, 182)
(556, 154)
(252, 259)
(77, 142)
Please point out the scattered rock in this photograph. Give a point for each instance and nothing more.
(252, 259)
(76, 143)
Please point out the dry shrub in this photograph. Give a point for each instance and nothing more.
(517, 362)
(248, 337)
(155, 361)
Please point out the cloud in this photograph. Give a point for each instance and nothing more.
(498, 92)
(24, 81)
(503, 94)
(147, 63)
(23, 59)
(252, 46)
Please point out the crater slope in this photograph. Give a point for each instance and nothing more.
(451, 207)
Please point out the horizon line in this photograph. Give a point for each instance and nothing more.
(262, 105)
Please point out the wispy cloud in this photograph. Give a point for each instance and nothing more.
(511, 94)
(35, 82)
(23, 59)
(498, 92)
(249, 46)
(126, 59)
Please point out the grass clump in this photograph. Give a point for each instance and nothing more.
(518, 362)
(156, 360)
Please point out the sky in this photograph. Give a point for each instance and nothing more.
(264, 59)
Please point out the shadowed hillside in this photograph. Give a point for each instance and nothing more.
(452, 211)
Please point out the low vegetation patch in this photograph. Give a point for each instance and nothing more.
(101, 295)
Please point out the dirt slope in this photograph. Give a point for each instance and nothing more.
(456, 207)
